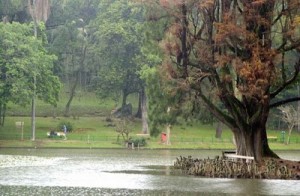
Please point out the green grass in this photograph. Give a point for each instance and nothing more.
(83, 104)
(91, 129)
(90, 105)
(94, 132)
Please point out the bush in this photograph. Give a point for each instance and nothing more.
(68, 125)
(139, 142)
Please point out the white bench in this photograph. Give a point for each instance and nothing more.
(143, 135)
(235, 157)
(272, 138)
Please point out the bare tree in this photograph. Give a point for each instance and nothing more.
(290, 117)
(123, 128)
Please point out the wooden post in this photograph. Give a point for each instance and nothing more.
(168, 142)
(22, 129)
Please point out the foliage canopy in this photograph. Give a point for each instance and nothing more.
(23, 57)
(234, 52)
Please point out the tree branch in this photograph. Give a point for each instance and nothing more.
(217, 112)
(293, 46)
(282, 102)
(288, 82)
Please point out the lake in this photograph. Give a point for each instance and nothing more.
(122, 172)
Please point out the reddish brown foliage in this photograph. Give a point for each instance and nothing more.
(235, 49)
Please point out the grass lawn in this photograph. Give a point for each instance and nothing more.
(96, 132)
(91, 130)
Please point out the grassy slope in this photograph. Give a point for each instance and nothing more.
(91, 130)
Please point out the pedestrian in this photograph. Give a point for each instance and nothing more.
(65, 131)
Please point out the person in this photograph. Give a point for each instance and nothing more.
(65, 131)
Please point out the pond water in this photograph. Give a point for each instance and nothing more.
(121, 172)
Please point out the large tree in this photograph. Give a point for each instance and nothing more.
(163, 94)
(117, 42)
(39, 11)
(68, 37)
(23, 59)
(235, 51)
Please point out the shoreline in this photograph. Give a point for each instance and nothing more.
(124, 148)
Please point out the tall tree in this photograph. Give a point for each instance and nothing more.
(71, 43)
(116, 44)
(232, 48)
(162, 93)
(23, 58)
(68, 35)
(39, 11)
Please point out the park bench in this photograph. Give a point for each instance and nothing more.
(272, 138)
(233, 156)
(147, 136)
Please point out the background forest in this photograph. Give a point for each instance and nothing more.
(104, 52)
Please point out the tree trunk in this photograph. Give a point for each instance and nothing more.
(139, 110)
(219, 130)
(33, 103)
(33, 107)
(77, 74)
(289, 135)
(244, 143)
(72, 94)
(298, 108)
(2, 114)
(145, 126)
(253, 142)
(124, 98)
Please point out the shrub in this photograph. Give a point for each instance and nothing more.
(138, 142)
(68, 125)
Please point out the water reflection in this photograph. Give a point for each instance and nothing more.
(120, 172)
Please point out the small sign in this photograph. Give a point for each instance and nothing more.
(19, 125)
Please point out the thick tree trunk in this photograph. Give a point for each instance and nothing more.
(243, 143)
(267, 152)
(253, 142)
